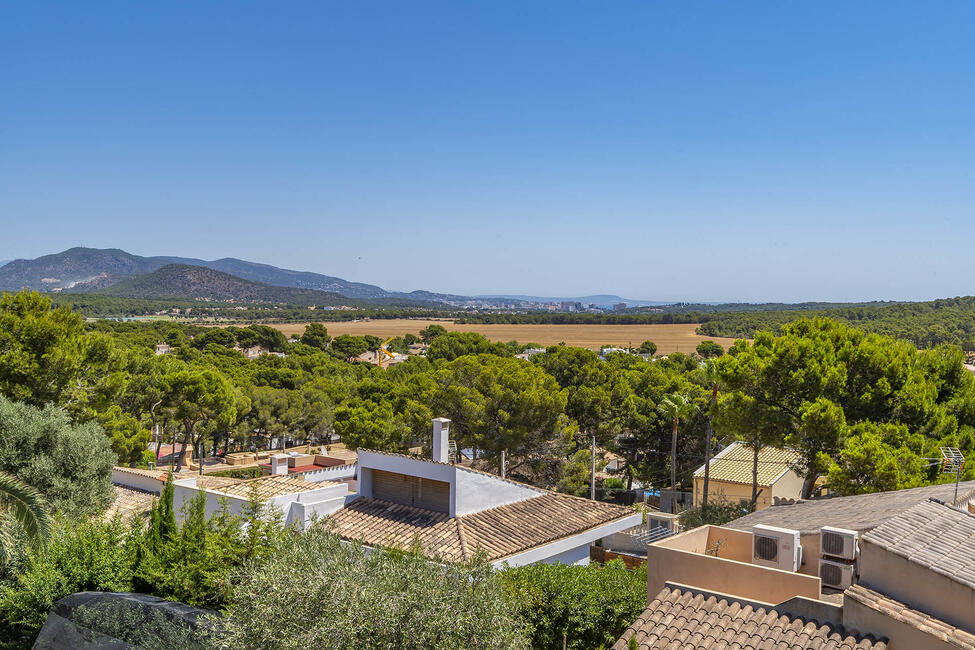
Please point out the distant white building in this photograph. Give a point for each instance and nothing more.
(163, 348)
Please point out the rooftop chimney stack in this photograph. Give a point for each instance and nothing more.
(441, 438)
(279, 465)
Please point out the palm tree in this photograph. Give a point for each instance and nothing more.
(676, 407)
(27, 508)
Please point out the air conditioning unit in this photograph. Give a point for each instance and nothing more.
(778, 548)
(838, 575)
(838, 542)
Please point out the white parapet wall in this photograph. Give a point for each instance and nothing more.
(298, 508)
(137, 481)
(333, 473)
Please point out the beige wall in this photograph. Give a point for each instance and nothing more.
(916, 586)
(789, 486)
(899, 635)
(730, 492)
(730, 544)
(810, 554)
(681, 559)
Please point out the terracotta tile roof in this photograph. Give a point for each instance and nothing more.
(157, 474)
(904, 614)
(934, 536)
(679, 618)
(734, 464)
(263, 487)
(861, 512)
(500, 532)
(129, 504)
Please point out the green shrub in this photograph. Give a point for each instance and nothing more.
(148, 459)
(614, 483)
(70, 464)
(716, 513)
(193, 562)
(81, 556)
(575, 606)
(251, 471)
(382, 599)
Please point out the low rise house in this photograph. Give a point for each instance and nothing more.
(163, 348)
(376, 358)
(453, 512)
(730, 476)
(299, 501)
(135, 490)
(314, 468)
(910, 583)
(529, 353)
(924, 559)
(860, 513)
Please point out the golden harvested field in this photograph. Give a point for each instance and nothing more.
(669, 338)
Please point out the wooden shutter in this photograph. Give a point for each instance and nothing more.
(432, 495)
(390, 486)
(411, 490)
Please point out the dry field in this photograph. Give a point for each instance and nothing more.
(669, 338)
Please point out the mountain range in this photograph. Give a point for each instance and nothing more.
(86, 269)
(200, 283)
(112, 271)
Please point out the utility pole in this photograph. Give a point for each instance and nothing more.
(156, 431)
(592, 486)
(502, 463)
(707, 446)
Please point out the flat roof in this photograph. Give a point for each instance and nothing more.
(861, 512)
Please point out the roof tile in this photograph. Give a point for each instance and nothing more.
(679, 618)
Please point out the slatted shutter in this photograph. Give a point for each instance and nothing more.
(411, 490)
(390, 486)
(432, 495)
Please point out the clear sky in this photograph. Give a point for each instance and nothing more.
(658, 150)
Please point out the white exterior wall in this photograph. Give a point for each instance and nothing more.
(369, 461)
(298, 508)
(136, 481)
(333, 473)
(476, 492)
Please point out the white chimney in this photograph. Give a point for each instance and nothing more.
(279, 465)
(441, 435)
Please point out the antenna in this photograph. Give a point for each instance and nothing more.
(952, 460)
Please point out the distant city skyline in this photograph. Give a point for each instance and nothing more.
(759, 152)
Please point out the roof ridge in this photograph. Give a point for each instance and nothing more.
(768, 610)
(399, 455)
(501, 478)
(464, 550)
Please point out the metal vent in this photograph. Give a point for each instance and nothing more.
(766, 548)
(833, 543)
(831, 574)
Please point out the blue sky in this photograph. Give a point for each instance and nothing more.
(658, 150)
